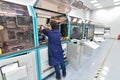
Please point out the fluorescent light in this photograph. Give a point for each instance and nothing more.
(118, 3)
(75, 19)
(99, 7)
(79, 21)
(96, 4)
(101, 78)
(93, 1)
(116, 0)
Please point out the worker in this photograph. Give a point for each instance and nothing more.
(55, 52)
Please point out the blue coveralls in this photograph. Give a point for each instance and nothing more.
(55, 52)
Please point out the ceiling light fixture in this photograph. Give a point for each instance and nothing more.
(93, 1)
(118, 3)
(99, 7)
(75, 19)
(80, 21)
(116, 0)
(96, 4)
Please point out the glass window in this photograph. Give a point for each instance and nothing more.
(16, 31)
(44, 17)
(89, 31)
(76, 28)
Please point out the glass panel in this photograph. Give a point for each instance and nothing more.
(44, 18)
(76, 28)
(76, 32)
(16, 31)
(89, 31)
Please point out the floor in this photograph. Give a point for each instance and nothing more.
(104, 64)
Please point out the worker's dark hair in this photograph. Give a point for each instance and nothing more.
(54, 24)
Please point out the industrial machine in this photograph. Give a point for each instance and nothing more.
(76, 29)
(88, 30)
(23, 46)
(89, 44)
(99, 33)
(17, 43)
(75, 46)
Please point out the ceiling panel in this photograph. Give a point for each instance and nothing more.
(103, 3)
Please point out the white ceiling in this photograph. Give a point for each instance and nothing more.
(103, 3)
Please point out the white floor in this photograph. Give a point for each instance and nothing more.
(106, 58)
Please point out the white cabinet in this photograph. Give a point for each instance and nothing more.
(26, 69)
(75, 52)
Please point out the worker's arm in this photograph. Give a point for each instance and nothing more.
(46, 32)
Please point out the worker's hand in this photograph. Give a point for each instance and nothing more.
(43, 27)
(47, 28)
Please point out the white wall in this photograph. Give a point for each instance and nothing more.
(110, 17)
(23, 2)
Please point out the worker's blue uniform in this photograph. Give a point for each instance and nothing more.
(55, 51)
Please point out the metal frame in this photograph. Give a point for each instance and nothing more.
(35, 25)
